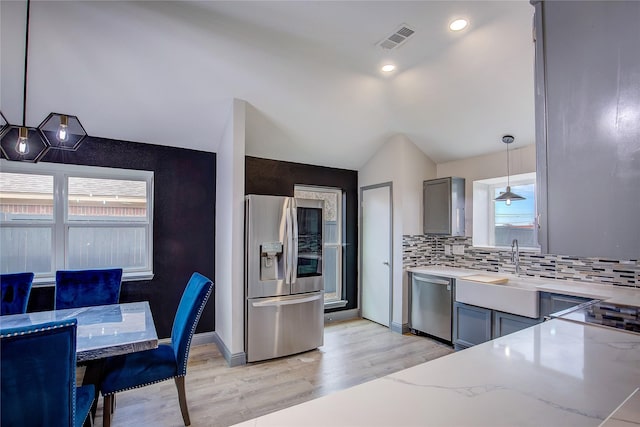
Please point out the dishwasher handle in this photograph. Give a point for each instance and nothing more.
(435, 281)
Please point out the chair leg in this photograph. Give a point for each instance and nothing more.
(182, 398)
(106, 410)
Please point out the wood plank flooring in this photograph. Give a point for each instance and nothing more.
(354, 352)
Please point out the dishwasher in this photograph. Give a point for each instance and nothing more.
(431, 305)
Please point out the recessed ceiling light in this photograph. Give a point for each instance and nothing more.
(387, 68)
(458, 24)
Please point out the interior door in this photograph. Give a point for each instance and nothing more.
(375, 250)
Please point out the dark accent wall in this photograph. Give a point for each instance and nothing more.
(183, 222)
(278, 178)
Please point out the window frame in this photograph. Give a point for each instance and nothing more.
(338, 300)
(484, 210)
(61, 225)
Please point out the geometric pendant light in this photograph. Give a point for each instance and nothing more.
(58, 131)
(62, 131)
(508, 196)
(23, 143)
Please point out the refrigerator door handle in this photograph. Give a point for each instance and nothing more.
(294, 258)
(278, 302)
(287, 240)
(282, 235)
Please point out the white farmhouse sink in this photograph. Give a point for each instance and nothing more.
(511, 297)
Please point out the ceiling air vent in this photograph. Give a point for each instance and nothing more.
(398, 37)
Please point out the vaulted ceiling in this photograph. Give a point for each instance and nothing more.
(166, 72)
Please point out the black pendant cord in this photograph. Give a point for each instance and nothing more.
(26, 64)
(507, 165)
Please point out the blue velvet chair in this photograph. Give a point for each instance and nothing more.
(38, 376)
(168, 361)
(16, 288)
(85, 288)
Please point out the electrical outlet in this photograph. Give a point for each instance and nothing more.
(447, 249)
(458, 249)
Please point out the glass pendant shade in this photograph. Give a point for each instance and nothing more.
(23, 144)
(63, 131)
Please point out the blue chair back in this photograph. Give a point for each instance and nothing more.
(85, 288)
(38, 374)
(192, 303)
(16, 289)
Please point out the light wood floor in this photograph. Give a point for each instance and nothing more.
(354, 352)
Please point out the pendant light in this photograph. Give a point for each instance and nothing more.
(29, 144)
(23, 143)
(62, 131)
(507, 197)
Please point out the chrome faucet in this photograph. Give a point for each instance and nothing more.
(515, 255)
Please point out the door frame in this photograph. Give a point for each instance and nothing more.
(388, 184)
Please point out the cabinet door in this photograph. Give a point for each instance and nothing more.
(507, 323)
(471, 325)
(437, 206)
(553, 303)
(587, 127)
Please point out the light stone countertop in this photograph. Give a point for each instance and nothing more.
(557, 373)
(611, 293)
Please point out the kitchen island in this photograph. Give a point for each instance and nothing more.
(557, 373)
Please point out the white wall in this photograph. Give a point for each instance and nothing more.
(521, 160)
(229, 273)
(403, 164)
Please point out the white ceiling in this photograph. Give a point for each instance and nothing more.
(166, 72)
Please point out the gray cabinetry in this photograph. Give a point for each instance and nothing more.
(507, 323)
(474, 325)
(587, 127)
(444, 206)
(471, 325)
(553, 303)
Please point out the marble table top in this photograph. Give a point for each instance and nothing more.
(557, 373)
(103, 331)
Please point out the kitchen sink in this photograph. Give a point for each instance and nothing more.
(514, 296)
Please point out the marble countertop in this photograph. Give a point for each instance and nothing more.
(557, 373)
(611, 293)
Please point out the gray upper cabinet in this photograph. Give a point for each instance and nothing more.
(444, 206)
(588, 127)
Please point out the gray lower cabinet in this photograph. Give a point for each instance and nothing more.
(474, 325)
(507, 323)
(471, 325)
(553, 303)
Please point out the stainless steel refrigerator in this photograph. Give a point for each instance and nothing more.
(283, 276)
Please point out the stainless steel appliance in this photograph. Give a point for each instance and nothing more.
(283, 276)
(431, 305)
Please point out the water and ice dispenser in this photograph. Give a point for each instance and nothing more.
(271, 261)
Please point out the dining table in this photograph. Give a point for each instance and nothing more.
(103, 330)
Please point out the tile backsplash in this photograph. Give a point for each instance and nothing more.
(423, 250)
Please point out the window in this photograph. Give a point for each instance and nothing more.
(332, 270)
(496, 224)
(55, 217)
